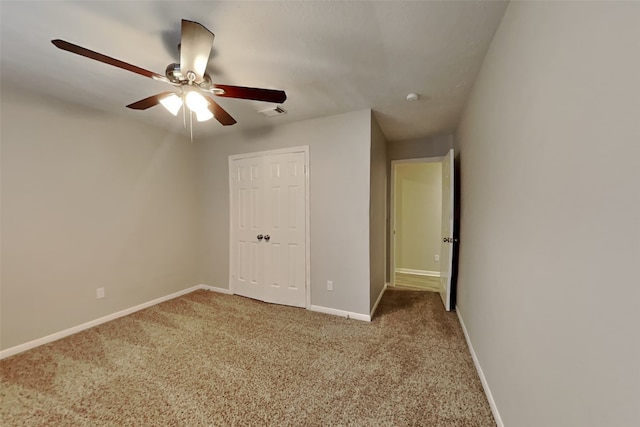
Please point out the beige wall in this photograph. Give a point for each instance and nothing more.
(377, 211)
(88, 200)
(339, 176)
(418, 203)
(430, 146)
(550, 215)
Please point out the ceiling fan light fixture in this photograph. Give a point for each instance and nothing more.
(195, 101)
(172, 103)
(199, 105)
(204, 115)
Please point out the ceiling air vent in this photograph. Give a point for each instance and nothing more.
(273, 111)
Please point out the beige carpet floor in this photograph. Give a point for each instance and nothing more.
(211, 359)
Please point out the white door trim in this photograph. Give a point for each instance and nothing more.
(300, 149)
(392, 246)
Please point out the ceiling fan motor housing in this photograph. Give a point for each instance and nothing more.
(174, 74)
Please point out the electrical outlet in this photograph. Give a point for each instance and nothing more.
(436, 258)
(329, 285)
(99, 293)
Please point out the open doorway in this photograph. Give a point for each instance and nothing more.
(416, 223)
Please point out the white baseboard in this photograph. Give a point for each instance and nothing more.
(418, 272)
(75, 329)
(318, 308)
(215, 289)
(341, 313)
(483, 380)
(375, 306)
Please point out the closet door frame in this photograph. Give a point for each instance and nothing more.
(232, 250)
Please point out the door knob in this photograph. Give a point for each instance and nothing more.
(259, 236)
(266, 237)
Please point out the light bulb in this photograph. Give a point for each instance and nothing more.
(199, 105)
(195, 101)
(203, 115)
(172, 103)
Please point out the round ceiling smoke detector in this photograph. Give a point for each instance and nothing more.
(412, 97)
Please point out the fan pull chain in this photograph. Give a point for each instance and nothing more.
(191, 125)
(184, 115)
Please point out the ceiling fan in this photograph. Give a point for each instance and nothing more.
(189, 77)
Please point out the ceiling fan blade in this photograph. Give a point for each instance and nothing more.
(254, 93)
(219, 113)
(149, 102)
(79, 50)
(195, 48)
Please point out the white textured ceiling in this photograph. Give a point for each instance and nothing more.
(330, 57)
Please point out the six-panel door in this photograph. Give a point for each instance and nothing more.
(268, 200)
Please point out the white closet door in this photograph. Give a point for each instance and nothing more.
(285, 222)
(247, 210)
(268, 227)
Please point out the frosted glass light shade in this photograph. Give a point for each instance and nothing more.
(195, 101)
(199, 105)
(172, 103)
(203, 115)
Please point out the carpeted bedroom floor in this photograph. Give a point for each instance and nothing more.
(212, 359)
